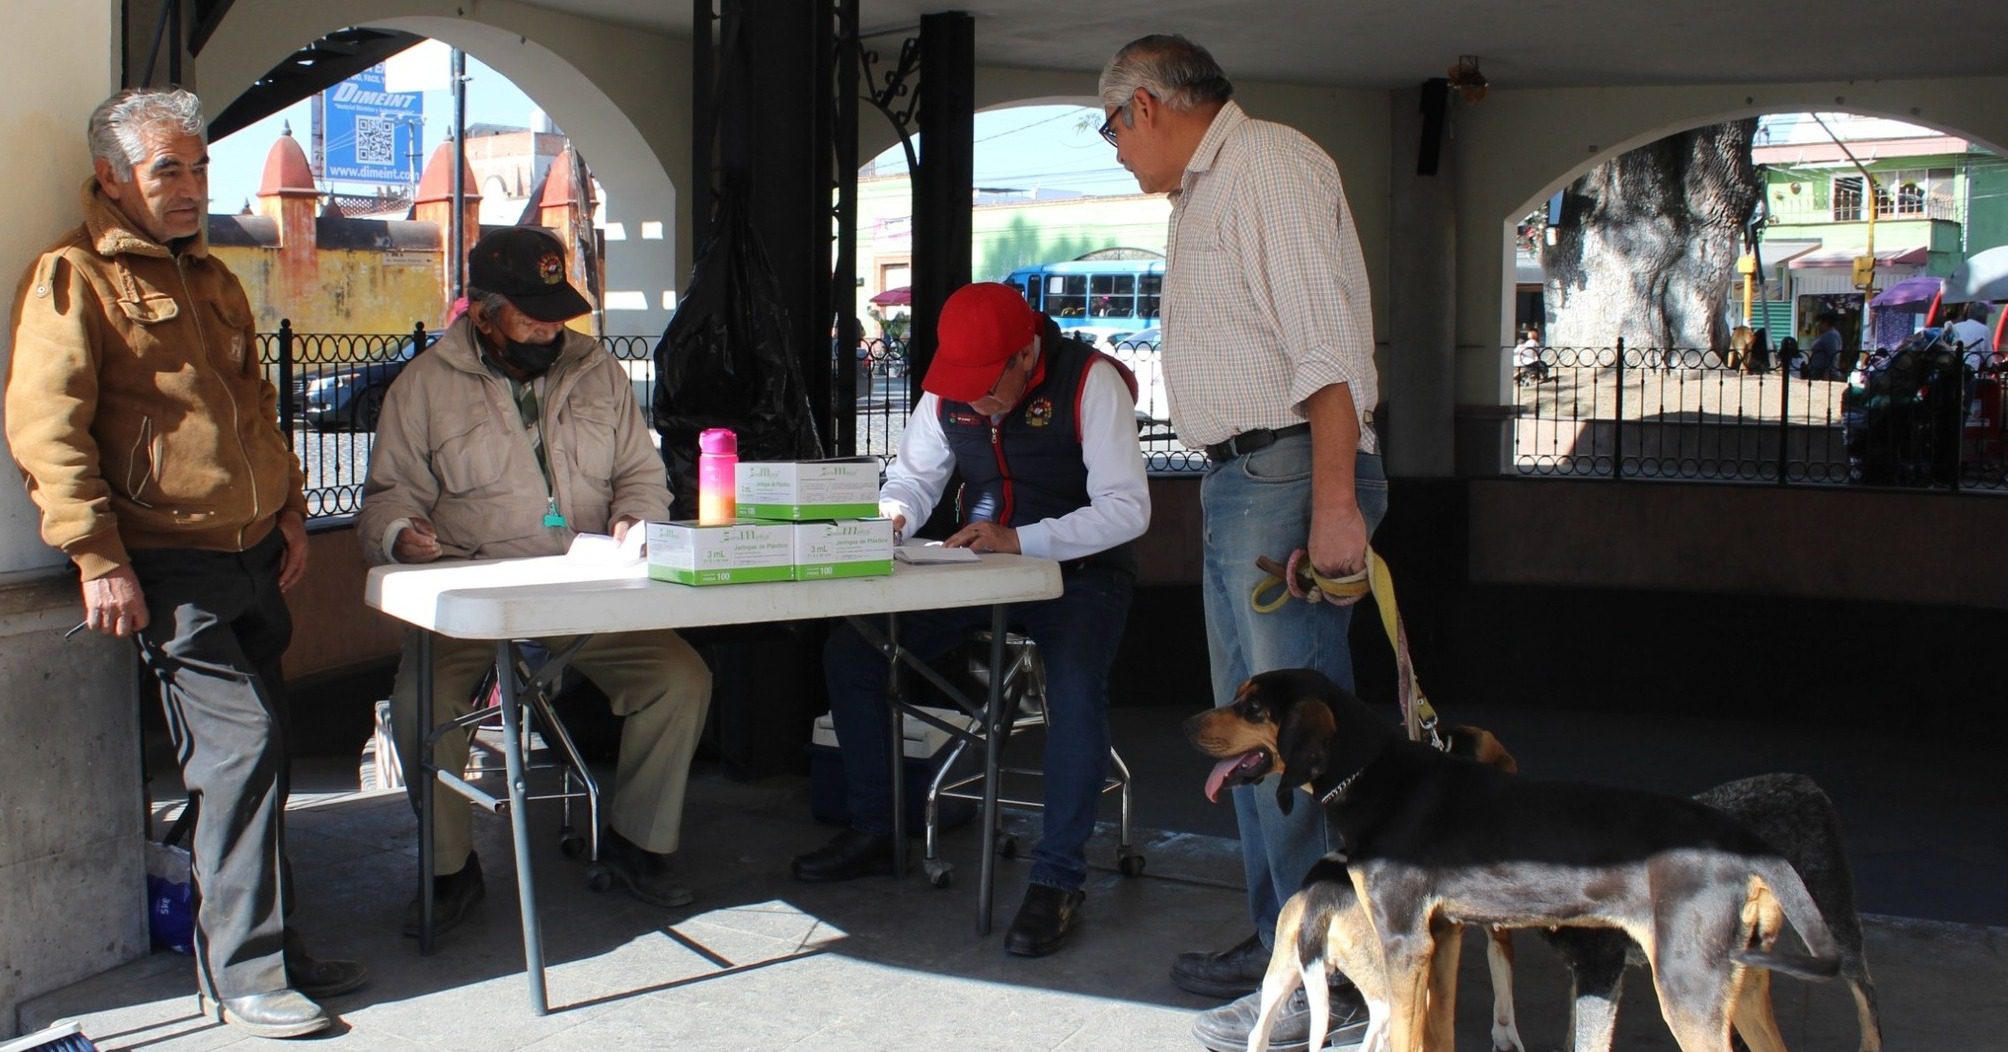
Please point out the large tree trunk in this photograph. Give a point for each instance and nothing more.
(1646, 245)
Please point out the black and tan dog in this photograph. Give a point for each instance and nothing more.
(1788, 812)
(1432, 841)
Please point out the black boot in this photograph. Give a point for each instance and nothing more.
(1227, 973)
(1043, 921)
(317, 978)
(852, 854)
(452, 896)
(644, 873)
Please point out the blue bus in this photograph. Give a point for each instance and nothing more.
(1104, 299)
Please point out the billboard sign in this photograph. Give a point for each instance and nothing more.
(370, 135)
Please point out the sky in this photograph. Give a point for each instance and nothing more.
(1035, 148)
(237, 161)
(1022, 148)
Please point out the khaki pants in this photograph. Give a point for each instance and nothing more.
(654, 679)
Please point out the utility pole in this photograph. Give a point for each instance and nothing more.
(459, 173)
(1865, 264)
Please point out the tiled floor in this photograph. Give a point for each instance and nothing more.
(760, 961)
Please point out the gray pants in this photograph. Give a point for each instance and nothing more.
(217, 628)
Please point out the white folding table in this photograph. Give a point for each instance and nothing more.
(506, 600)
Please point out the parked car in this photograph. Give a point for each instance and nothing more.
(350, 396)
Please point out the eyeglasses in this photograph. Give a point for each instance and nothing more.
(1109, 125)
(992, 393)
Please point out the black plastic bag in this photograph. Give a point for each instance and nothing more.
(724, 361)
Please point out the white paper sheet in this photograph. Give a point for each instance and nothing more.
(923, 552)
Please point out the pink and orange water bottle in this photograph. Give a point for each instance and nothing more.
(717, 467)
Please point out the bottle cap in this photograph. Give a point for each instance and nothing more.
(717, 440)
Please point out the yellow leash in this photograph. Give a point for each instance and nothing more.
(1418, 715)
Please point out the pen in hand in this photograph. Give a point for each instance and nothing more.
(80, 626)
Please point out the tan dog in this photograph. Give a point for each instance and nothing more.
(1322, 929)
(1433, 842)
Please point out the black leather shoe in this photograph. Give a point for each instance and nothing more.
(851, 854)
(1228, 973)
(643, 872)
(1044, 919)
(318, 979)
(281, 1013)
(452, 896)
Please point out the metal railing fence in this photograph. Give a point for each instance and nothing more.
(1622, 413)
(1651, 413)
(331, 389)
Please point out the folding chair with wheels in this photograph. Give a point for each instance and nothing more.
(1024, 686)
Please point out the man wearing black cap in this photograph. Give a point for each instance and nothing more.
(1042, 431)
(509, 437)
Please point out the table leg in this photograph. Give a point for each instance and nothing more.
(519, 824)
(993, 745)
(895, 692)
(419, 774)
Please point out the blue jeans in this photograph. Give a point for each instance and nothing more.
(1260, 504)
(1077, 636)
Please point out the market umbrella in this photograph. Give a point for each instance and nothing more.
(1984, 276)
(1909, 296)
(898, 297)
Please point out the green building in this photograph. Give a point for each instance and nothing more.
(1937, 199)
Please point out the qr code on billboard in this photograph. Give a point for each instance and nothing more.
(376, 141)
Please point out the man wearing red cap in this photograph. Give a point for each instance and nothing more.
(1042, 430)
(509, 437)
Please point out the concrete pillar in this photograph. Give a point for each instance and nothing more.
(72, 882)
(942, 182)
(1419, 383)
(72, 891)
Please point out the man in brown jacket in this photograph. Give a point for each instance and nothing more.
(509, 437)
(148, 436)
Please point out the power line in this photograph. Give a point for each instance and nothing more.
(1028, 127)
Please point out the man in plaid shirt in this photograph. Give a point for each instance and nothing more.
(1268, 361)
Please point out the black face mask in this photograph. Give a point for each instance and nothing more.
(532, 359)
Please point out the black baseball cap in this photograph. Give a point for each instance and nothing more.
(526, 266)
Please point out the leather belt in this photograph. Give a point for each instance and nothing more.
(1250, 441)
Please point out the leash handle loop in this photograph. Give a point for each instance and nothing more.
(1419, 718)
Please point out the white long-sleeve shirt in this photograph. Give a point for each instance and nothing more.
(1118, 507)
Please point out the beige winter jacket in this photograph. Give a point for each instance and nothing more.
(451, 447)
(137, 411)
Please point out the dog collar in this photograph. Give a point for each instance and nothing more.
(1338, 792)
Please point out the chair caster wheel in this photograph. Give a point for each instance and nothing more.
(1130, 864)
(570, 844)
(1007, 846)
(939, 874)
(599, 878)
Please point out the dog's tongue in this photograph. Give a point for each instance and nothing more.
(1224, 768)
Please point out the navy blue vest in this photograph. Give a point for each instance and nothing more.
(1028, 467)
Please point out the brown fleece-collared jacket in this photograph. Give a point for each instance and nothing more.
(137, 410)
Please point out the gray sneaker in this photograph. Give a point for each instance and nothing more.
(1225, 1029)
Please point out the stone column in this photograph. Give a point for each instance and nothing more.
(1421, 376)
(72, 883)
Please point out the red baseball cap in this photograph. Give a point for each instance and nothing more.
(981, 325)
